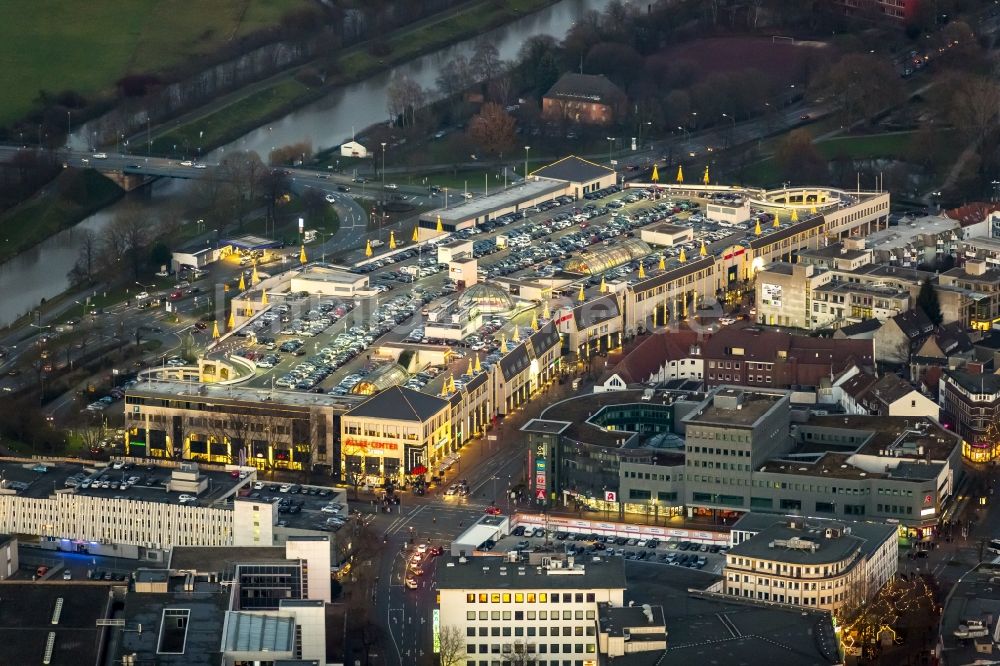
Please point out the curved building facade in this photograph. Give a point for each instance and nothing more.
(600, 259)
(486, 298)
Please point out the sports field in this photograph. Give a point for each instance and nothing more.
(87, 46)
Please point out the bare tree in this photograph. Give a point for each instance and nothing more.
(864, 84)
(455, 77)
(241, 171)
(452, 646)
(485, 61)
(492, 129)
(403, 97)
(291, 153)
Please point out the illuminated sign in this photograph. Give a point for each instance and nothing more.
(371, 447)
(436, 628)
(540, 481)
(927, 512)
(610, 496)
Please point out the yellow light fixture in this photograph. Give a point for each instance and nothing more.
(704, 250)
(656, 175)
(516, 338)
(254, 278)
(813, 210)
(302, 255)
(756, 229)
(663, 262)
(215, 330)
(680, 173)
(416, 234)
(479, 366)
(392, 240)
(534, 321)
(581, 296)
(231, 324)
(777, 222)
(470, 370)
(368, 249)
(683, 256)
(705, 179)
(451, 383)
(642, 272)
(263, 297)
(243, 284)
(604, 286)
(795, 215)
(503, 343)
(546, 311)
(440, 227)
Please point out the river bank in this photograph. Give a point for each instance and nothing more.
(287, 93)
(70, 198)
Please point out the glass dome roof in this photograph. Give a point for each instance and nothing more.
(381, 378)
(486, 298)
(600, 258)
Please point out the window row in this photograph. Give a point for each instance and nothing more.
(530, 597)
(579, 630)
(530, 615)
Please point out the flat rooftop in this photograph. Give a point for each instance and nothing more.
(334, 275)
(976, 596)
(909, 231)
(196, 644)
(152, 484)
(577, 411)
(480, 206)
(26, 611)
(734, 406)
(207, 559)
(28, 480)
(240, 393)
(496, 574)
(864, 538)
(714, 630)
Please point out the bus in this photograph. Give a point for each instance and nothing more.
(993, 546)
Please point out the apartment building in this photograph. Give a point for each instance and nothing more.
(544, 610)
(819, 564)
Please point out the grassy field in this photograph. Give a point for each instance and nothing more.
(87, 46)
(44, 215)
(247, 113)
(894, 145)
(239, 117)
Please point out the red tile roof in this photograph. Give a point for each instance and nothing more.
(972, 213)
(652, 353)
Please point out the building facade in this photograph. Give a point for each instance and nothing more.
(545, 611)
(811, 563)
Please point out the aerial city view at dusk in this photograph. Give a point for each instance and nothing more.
(500, 333)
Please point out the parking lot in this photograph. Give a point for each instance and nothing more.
(303, 506)
(322, 344)
(668, 552)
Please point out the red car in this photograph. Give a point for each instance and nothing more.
(176, 295)
(435, 551)
(493, 511)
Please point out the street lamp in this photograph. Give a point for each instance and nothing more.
(611, 143)
(526, 149)
(383, 168)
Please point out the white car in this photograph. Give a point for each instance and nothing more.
(285, 487)
(330, 198)
(67, 574)
(186, 498)
(391, 186)
(258, 485)
(725, 321)
(330, 509)
(187, 163)
(100, 156)
(142, 295)
(199, 165)
(118, 464)
(422, 548)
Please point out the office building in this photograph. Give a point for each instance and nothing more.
(971, 404)
(546, 608)
(812, 563)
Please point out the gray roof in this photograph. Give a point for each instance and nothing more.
(864, 326)
(864, 538)
(546, 337)
(916, 471)
(400, 403)
(573, 169)
(975, 382)
(496, 574)
(516, 360)
(26, 619)
(208, 559)
(596, 311)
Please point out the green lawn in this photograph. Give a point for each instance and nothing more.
(234, 119)
(44, 215)
(87, 46)
(892, 145)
